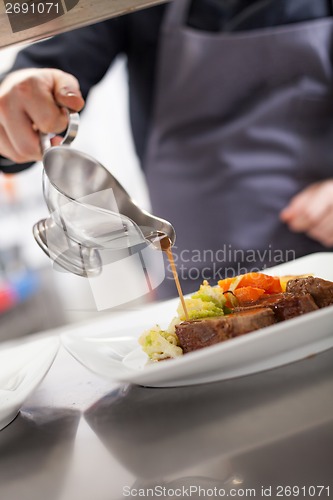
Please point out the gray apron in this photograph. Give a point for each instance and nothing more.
(241, 123)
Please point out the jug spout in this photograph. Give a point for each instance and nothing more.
(161, 240)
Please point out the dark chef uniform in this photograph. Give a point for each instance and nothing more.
(231, 106)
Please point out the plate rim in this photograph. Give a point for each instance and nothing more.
(34, 375)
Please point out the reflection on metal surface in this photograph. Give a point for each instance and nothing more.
(237, 480)
(35, 453)
(165, 434)
(31, 20)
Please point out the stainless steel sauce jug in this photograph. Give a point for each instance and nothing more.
(89, 210)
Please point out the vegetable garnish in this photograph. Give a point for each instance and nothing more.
(207, 302)
(249, 287)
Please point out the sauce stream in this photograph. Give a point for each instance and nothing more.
(166, 247)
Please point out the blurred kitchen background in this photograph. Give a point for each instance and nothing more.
(34, 296)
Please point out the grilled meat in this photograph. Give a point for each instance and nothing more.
(196, 334)
(321, 290)
(284, 305)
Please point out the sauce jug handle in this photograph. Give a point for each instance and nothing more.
(71, 132)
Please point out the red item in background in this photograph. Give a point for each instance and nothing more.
(7, 299)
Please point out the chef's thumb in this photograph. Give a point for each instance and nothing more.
(67, 92)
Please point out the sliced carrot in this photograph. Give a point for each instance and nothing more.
(248, 294)
(275, 286)
(271, 284)
(226, 284)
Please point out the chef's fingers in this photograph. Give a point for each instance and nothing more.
(44, 112)
(28, 104)
(24, 142)
(67, 91)
(297, 204)
(56, 141)
(6, 148)
(43, 94)
(323, 231)
(308, 207)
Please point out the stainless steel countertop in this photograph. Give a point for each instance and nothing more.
(80, 437)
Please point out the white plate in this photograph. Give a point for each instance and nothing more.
(112, 349)
(23, 364)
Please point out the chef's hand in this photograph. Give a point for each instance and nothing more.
(30, 101)
(311, 212)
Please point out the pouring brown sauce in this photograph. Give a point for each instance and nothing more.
(166, 247)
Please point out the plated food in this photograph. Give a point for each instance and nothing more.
(110, 346)
(235, 307)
